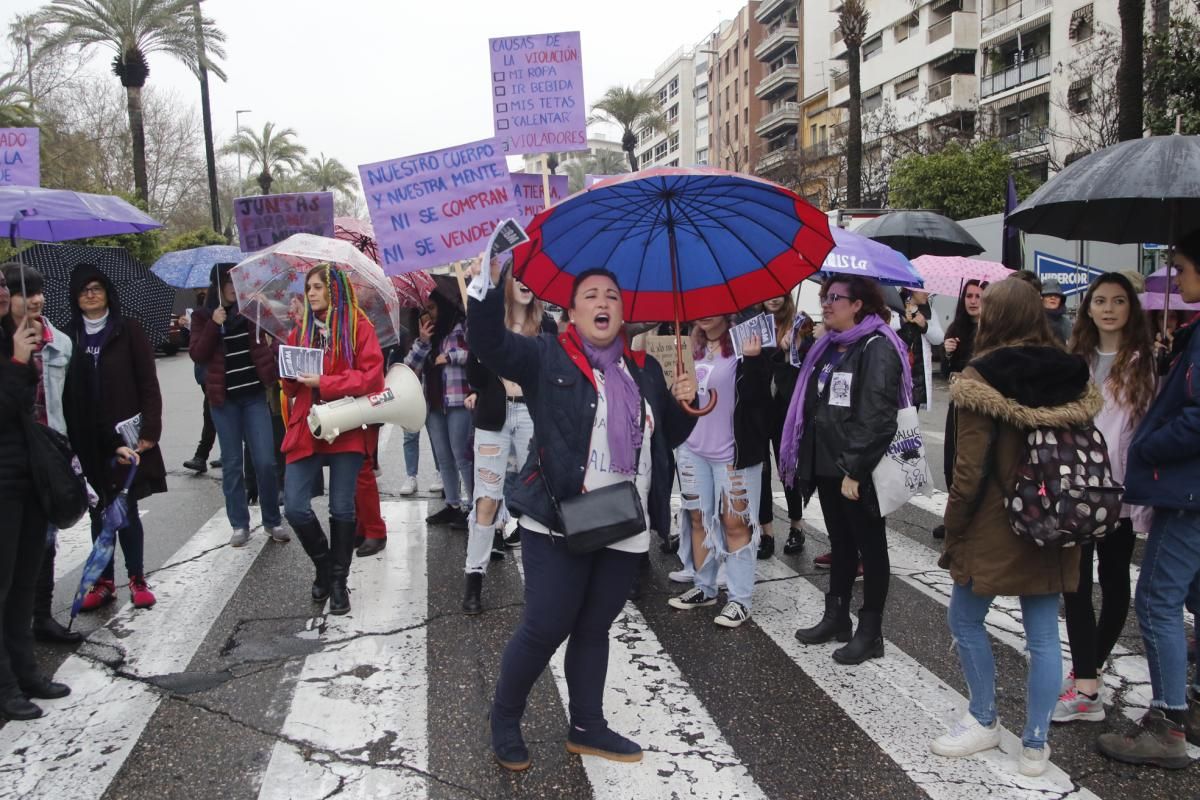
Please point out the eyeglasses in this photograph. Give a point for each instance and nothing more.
(92, 291)
(833, 297)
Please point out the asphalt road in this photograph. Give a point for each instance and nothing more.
(236, 686)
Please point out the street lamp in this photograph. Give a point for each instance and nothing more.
(236, 130)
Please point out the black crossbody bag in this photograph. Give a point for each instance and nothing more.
(593, 520)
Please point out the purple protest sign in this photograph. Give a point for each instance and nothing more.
(537, 93)
(20, 164)
(531, 195)
(435, 208)
(264, 220)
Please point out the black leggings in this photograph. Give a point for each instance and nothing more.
(1092, 641)
(855, 532)
(766, 502)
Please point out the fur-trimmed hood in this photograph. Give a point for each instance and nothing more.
(1029, 387)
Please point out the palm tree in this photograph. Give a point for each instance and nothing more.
(15, 110)
(631, 110)
(23, 31)
(601, 162)
(852, 22)
(328, 175)
(134, 29)
(274, 150)
(1130, 95)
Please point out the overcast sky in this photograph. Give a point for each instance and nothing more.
(368, 80)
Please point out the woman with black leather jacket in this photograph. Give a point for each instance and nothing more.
(842, 418)
(602, 415)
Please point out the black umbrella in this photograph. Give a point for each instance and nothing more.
(143, 295)
(921, 233)
(1143, 190)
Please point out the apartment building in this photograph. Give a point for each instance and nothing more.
(779, 90)
(737, 82)
(674, 84)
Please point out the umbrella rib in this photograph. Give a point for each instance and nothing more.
(645, 210)
(642, 269)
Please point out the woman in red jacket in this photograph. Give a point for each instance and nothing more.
(353, 367)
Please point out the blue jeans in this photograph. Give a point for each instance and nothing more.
(492, 452)
(132, 538)
(412, 453)
(450, 435)
(575, 596)
(302, 474)
(1039, 613)
(246, 420)
(710, 488)
(1170, 580)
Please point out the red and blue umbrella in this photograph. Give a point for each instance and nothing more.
(683, 243)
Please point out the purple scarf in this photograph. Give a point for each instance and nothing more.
(793, 427)
(621, 394)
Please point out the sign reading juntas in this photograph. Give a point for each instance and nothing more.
(268, 219)
(537, 93)
(20, 164)
(435, 208)
(531, 196)
(1073, 277)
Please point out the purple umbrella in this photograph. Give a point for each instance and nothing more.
(1160, 280)
(58, 215)
(853, 254)
(1152, 301)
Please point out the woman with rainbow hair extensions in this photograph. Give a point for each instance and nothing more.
(353, 367)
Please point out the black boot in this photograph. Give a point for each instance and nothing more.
(17, 707)
(835, 624)
(341, 546)
(867, 642)
(472, 603)
(45, 626)
(312, 539)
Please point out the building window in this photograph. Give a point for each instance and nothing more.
(702, 157)
(673, 163)
(660, 150)
(746, 77)
(662, 96)
(673, 113)
(1079, 95)
(872, 102)
(735, 90)
(906, 27)
(746, 117)
(872, 48)
(907, 87)
(673, 87)
(702, 93)
(1081, 26)
(644, 135)
(673, 142)
(647, 157)
(735, 56)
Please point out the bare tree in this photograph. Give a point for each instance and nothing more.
(1090, 98)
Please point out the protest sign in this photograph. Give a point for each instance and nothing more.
(531, 195)
(663, 350)
(435, 208)
(20, 164)
(762, 326)
(268, 219)
(537, 93)
(297, 361)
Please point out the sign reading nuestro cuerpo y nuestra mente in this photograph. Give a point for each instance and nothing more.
(438, 207)
(537, 93)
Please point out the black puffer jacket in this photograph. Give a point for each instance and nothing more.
(556, 379)
(850, 440)
(18, 385)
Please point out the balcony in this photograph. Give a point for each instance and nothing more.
(1026, 139)
(769, 8)
(953, 93)
(1013, 13)
(815, 152)
(841, 80)
(782, 78)
(959, 31)
(782, 37)
(788, 115)
(776, 159)
(1014, 76)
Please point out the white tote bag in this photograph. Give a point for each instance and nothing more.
(903, 472)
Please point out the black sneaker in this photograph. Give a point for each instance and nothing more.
(447, 515)
(795, 541)
(692, 598)
(669, 544)
(513, 540)
(939, 532)
(766, 547)
(215, 463)
(461, 520)
(196, 464)
(497, 546)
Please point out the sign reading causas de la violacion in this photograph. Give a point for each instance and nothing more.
(19, 157)
(530, 195)
(435, 208)
(537, 93)
(268, 219)
(1073, 277)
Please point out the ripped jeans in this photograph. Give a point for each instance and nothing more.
(493, 449)
(718, 490)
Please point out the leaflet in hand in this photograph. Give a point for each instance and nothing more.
(297, 361)
(130, 431)
(762, 326)
(508, 234)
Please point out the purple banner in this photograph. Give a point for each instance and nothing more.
(20, 164)
(264, 220)
(435, 208)
(531, 196)
(537, 93)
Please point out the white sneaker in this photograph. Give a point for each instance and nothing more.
(732, 615)
(436, 486)
(240, 537)
(965, 737)
(409, 486)
(684, 575)
(1033, 763)
(279, 534)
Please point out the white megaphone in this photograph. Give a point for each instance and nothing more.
(402, 402)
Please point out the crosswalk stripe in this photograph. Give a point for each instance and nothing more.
(648, 699)
(357, 724)
(111, 675)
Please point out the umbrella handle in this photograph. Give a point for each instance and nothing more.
(700, 412)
